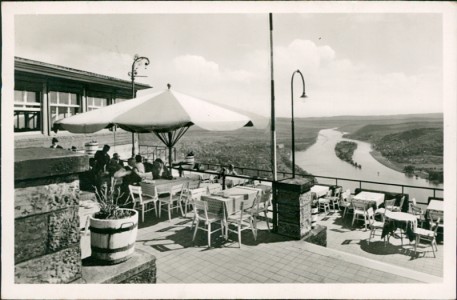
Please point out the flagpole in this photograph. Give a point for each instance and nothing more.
(273, 117)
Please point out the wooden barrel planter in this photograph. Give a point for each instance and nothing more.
(113, 240)
(91, 148)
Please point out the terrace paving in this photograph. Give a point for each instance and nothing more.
(274, 258)
(343, 237)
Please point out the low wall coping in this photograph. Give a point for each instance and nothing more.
(36, 162)
(139, 262)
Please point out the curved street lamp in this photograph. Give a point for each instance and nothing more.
(137, 62)
(292, 121)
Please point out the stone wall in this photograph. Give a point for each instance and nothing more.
(46, 203)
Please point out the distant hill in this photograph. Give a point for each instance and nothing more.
(250, 147)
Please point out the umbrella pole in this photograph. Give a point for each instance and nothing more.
(170, 148)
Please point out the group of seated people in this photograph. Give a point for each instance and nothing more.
(104, 169)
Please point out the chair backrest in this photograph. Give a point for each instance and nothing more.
(329, 193)
(196, 194)
(359, 205)
(435, 217)
(402, 200)
(266, 197)
(370, 214)
(135, 190)
(338, 192)
(201, 209)
(175, 190)
(193, 184)
(389, 203)
(416, 210)
(213, 188)
(149, 189)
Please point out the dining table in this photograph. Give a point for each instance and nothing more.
(320, 190)
(229, 201)
(371, 199)
(399, 220)
(231, 181)
(436, 207)
(164, 185)
(203, 177)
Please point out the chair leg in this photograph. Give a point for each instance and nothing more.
(142, 212)
(169, 212)
(195, 231)
(239, 234)
(415, 245)
(253, 229)
(180, 207)
(344, 213)
(209, 235)
(266, 219)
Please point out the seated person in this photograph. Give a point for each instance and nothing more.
(148, 166)
(114, 165)
(159, 170)
(231, 170)
(139, 163)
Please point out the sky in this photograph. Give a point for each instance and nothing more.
(353, 63)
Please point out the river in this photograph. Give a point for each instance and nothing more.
(320, 160)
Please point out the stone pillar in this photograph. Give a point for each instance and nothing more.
(46, 201)
(292, 207)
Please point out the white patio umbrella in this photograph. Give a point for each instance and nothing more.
(166, 113)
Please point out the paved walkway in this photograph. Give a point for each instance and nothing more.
(270, 259)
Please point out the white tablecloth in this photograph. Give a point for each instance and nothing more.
(320, 190)
(435, 206)
(370, 198)
(234, 181)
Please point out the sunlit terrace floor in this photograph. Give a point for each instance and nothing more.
(277, 259)
(342, 236)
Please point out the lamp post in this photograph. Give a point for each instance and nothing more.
(292, 121)
(137, 61)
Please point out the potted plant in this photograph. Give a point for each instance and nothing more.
(113, 229)
(190, 160)
(91, 147)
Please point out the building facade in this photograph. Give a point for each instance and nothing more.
(44, 93)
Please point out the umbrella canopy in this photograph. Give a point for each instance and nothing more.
(166, 113)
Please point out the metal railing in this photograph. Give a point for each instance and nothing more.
(153, 152)
(264, 175)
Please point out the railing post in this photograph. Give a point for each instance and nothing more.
(223, 180)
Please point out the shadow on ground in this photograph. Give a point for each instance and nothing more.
(179, 235)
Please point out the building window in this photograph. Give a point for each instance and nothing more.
(63, 105)
(96, 103)
(119, 100)
(27, 111)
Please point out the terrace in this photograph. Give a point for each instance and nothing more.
(347, 257)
